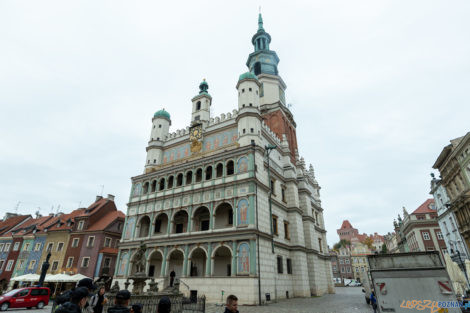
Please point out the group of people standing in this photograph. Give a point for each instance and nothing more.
(84, 299)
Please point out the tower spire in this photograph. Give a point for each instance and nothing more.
(260, 21)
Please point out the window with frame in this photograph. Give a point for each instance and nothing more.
(85, 261)
(9, 265)
(75, 242)
(346, 261)
(81, 224)
(275, 230)
(316, 218)
(341, 261)
(320, 245)
(91, 241)
(289, 266)
(283, 194)
(7, 247)
(286, 230)
(426, 236)
(37, 246)
(439, 235)
(280, 270)
(69, 262)
(26, 246)
(107, 262)
(20, 264)
(55, 265)
(342, 269)
(32, 264)
(273, 185)
(60, 246)
(2, 262)
(107, 242)
(16, 246)
(50, 245)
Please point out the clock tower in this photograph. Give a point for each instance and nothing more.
(201, 105)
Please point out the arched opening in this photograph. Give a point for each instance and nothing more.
(198, 105)
(146, 188)
(257, 68)
(209, 172)
(219, 170)
(180, 222)
(161, 184)
(201, 219)
(161, 224)
(175, 262)
(155, 264)
(171, 180)
(144, 226)
(189, 177)
(154, 186)
(223, 216)
(223, 262)
(230, 168)
(198, 263)
(179, 180)
(198, 175)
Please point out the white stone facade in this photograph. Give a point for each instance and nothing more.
(202, 206)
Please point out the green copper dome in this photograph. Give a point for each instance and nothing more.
(248, 75)
(162, 113)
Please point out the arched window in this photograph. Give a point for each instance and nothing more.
(219, 170)
(179, 180)
(154, 186)
(198, 105)
(170, 181)
(209, 172)
(257, 68)
(230, 168)
(146, 188)
(189, 177)
(198, 175)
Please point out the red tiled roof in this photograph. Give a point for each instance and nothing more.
(26, 227)
(11, 222)
(106, 220)
(95, 206)
(425, 207)
(346, 224)
(109, 250)
(51, 225)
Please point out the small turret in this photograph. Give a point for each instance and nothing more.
(201, 105)
(248, 118)
(160, 128)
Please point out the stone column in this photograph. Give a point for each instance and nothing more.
(190, 219)
(163, 270)
(185, 262)
(209, 260)
(211, 216)
(170, 222)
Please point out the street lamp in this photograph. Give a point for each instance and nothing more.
(461, 265)
(269, 148)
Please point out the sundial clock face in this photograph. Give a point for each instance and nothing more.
(195, 133)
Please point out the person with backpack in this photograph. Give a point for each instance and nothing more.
(98, 301)
(77, 302)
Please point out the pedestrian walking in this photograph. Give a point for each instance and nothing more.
(90, 285)
(164, 305)
(231, 304)
(121, 303)
(373, 301)
(98, 301)
(172, 277)
(78, 299)
(137, 308)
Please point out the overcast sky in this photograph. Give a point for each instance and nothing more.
(377, 89)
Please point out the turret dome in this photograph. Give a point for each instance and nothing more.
(162, 113)
(247, 75)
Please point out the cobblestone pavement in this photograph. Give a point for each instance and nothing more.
(346, 299)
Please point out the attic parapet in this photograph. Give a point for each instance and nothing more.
(224, 117)
(271, 133)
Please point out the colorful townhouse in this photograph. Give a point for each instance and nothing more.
(27, 231)
(93, 242)
(9, 222)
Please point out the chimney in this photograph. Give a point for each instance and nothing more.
(110, 197)
(9, 215)
(98, 198)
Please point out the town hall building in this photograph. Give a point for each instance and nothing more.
(228, 203)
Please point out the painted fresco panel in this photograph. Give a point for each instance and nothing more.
(123, 263)
(243, 212)
(129, 227)
(244, 259)
(242, 165)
